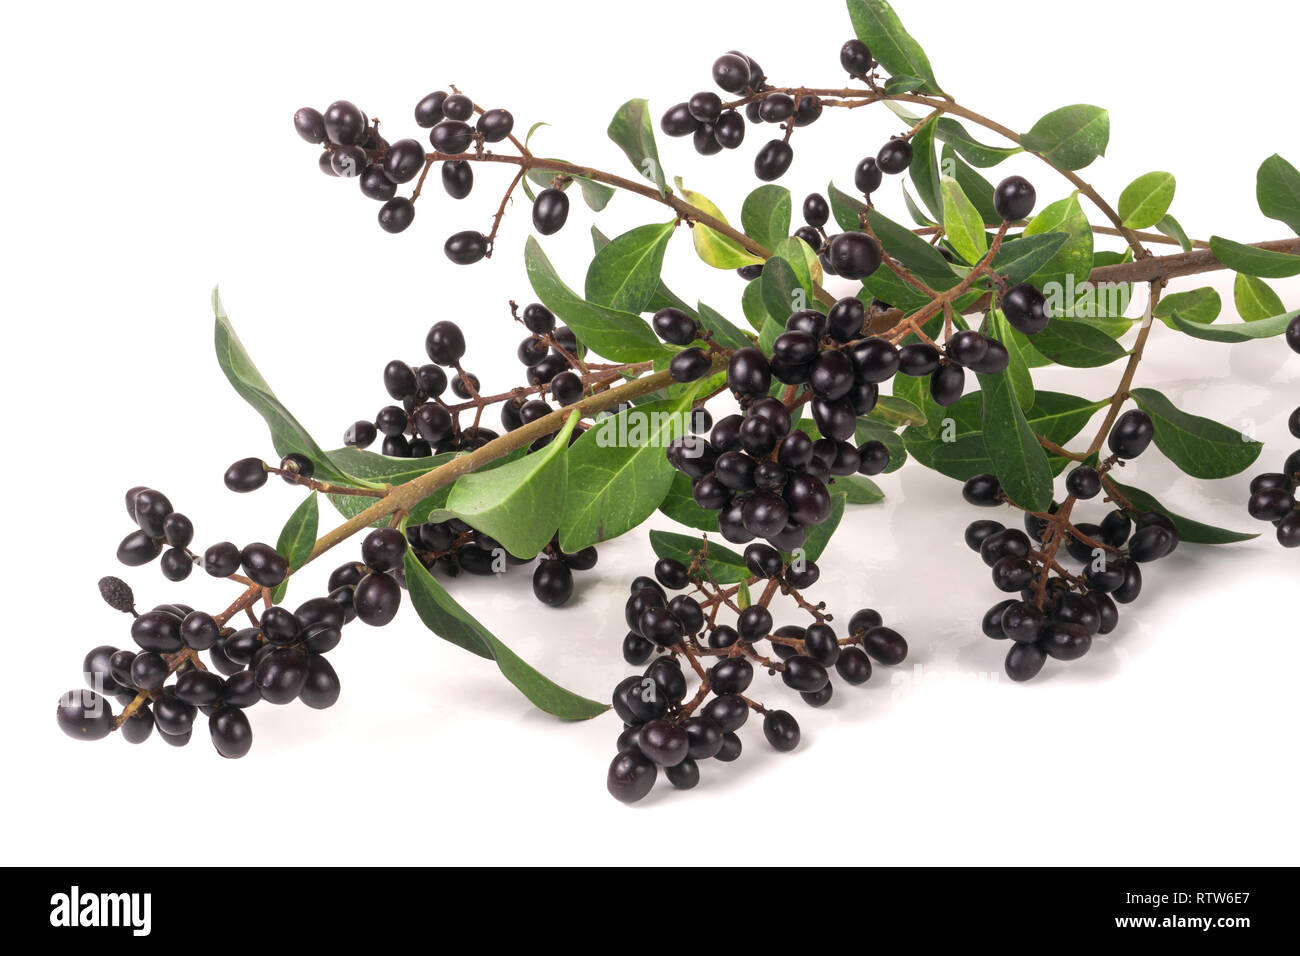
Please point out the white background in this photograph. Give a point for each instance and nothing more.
(151, 156)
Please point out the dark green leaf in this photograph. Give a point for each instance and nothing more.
(877, 25)
(970, 149)
(1277, 187)
(924, 169)
(1022, 382)
(921, 258)
(287, 435)
(859, 490)
(846, 209)
(1189, 531)
(1071, 137)
(786, 284)
(297, 539)
(662, 297)
(632, 131)
(1018, 459)
(765, 215)
(516, 503)
(1077, 345)
(618, 472)
(445, 617)
(624, 275)
(1254, 262)
(724, 565)
(1196, 305)
(1070, 267)
(724, 332)
(903, 84)
(1199, 446)
(617, 335)
(1232, 334)
(1018, 259)
(976, 188)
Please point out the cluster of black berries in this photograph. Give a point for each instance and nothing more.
(424, 424)
(159, 527)
(715, 125)
(166, 684)
(1058, 612)
(663, 729)
(355, 149)
(1273, 494)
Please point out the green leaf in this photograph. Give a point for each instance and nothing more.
(445, 617)
(516, 503)
(1071, 137)
(632, 131)
(765, 215)
(725, 565)
(1199, 446)
(921, 258)
(962, 224)
(1232, 334)
(1277, 188)
(1172, 228)
(924, 169)
(1197, 305)
(970, 149)
(819, 536)
(1018, 459)
(618, 473)
(662, 296)
(868, 430)
(380, 470)
(715, 249)
(903, 84)
(1018, 259)
(1254, 262)
(287, 435)
(297, 539)
(877, 25)
(977, 189)
(751, 303)
(1022, 382)
(786, 284)
(724, 332)
(895, 411)
(859, 490)
(847, 210)
(1145, 201)
(624, 275)
(1255, 299)
(681, 507)
(617, 335)
(1189, 531)
(1077, 345)
(1072, 263)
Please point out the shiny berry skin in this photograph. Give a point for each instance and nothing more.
(383, 549)
(1025, 308)
(671, 573)
(1083, 482)
(451, 136)
(375, 185)
(982, 491)
(465, 248)
(84, 715)
(377, 599)
(550, 211)
(345, 125)
(855, 57)
(729, 711)
(918, 360)
(966, 347)
(1065, 641)
(281, 675)
(678, 121)
(867, 177)
(404, 160)
(809, 111)
(1271, 504)
(1151, 543)
(321, 688)
(310, 124)
(689, 365)
(854, 255)
(816, 211)
(553, 582)
(264, 564)
(1293, 334)
(1022, 621)
(731, 72)
(776, 107)
(729, 130)
(1014, 198)
(137, 549)
(231, 733)
(674, 326)
(664, 742)
(804, 674)
(348, 162)
(1130, 436)
(1288, 531)
(705, 107)
(781, 730)
(895, 156)
(495, 125)
(428, 112)
(773, 159)
(947, 384)
(221, 560)
(684, 775)
(631, 777)
(845, 319)
(884, 644)
(150, 510)
(748, 372)
(1024, 661)
(247, 474)
(396, 214)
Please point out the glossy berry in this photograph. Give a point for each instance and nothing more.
(1131, 434)
(947, 384)
(495, 125)
(451, 136)
(781, 730)
(1293, 334)
(396, 214)
(1024, 661)
(816, 211)
(1083, 482)
(1014, 198)
(983, 491)
(344, 124)
(445, 343)
(773, 159)
(466, 248)
(428, 112)
(731, 72)
(729, 130)
(264, 564)
(748, 372)
(404, 160)
(1025, 308)
(631, 776)
(231, 733)
(867, 177)
(674, 326)
(705, 107)
(855, 57)
(678, 121)
(377, 598)
(310, 124)
(383, 549)
(550, 211)
(804, 674)
(553, 582)
(895, 156)
(854, 255)
(138, 548)
(84, 715)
